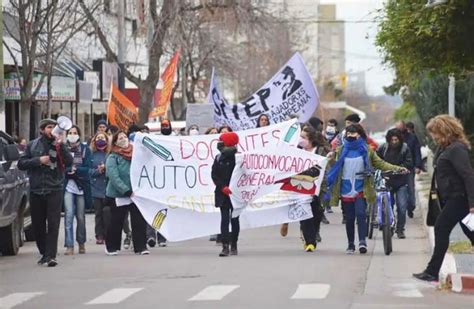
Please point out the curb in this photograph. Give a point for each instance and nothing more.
(459, 283)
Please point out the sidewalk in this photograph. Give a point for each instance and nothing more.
(458, 268)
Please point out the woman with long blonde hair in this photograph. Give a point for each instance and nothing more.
(452, 186)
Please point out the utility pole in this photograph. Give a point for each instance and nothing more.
(451, 96)
(121, 43)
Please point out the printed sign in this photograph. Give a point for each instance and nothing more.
(290, 92)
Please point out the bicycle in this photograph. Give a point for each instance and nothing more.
(382, 215)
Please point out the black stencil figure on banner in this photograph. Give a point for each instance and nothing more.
(296, 212)
(303, 183)
(288, 82)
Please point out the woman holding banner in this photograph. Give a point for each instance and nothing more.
(313, 141)
(117, 169)
(222, 169)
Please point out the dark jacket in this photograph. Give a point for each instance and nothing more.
(222, 169)
(454, 173)
(81, 176)
(44, 179)
(405, 159)
(98, 183)
(414, 144)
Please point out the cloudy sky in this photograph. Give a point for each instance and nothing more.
(361, 53)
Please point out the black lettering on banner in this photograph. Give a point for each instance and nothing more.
(215, 100)
(144, 175)
(263, 94)
(235, 112)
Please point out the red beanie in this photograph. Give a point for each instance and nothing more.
(229, 139)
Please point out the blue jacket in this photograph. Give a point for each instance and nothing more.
(98, 183)
(81, 176)
(117, 171)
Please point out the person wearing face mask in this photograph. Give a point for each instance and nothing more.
(331, 131)
(100, 147)
(119, 187)
(165, 127)
(313, 141)
(354, 191)
(77, 191)
(45, 160)
(395, 151)
(222, 169)
(193, 130)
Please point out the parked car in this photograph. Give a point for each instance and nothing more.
(14, 198)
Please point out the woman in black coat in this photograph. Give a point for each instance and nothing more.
(222, 169)
(454, 183)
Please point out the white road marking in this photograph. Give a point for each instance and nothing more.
(406, 290)
(312, 291)
(15, 299)
(214, 292)
(114, 296)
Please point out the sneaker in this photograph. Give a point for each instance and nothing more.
(410, 213)
(284, 229)
(325, 220)
(343, 219)
(144, 252)
(126, 242)
(43, 260)
(82, 249)
(99, 240)
(213, 238)
(426, 277)
(310, 248)
(225, 251)
(233, 249)
(363, 248)
(151, 242)
(69, 251)
(318, 237)
(401, 235)
(162, 244)
(329, 210)
(52, 262)
(111, 253)
(350, 249)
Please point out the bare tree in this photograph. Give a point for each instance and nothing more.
(42, 29)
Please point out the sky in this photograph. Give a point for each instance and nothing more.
(361, 53)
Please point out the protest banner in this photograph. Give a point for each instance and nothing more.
(291, 91)
(161, 107)
(121, 112)
(173, 188)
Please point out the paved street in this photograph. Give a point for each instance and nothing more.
(270, 272)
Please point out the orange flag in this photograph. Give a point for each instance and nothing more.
(161, 107)
(121, 112)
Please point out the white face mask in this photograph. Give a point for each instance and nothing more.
(330, 129)
(193, 132)
(303, 143)
(122, 143)
(72, 139)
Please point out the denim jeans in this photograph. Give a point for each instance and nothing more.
(355, 210)
(401, 197)
(411, 191)
(74, 206)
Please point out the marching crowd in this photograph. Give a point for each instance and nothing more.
(73, 173)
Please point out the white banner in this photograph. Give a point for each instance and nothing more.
(260, 172)
(290, 91)
(173, 188)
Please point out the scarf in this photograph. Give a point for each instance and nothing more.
(76, 150)
(359, 145)
(228, 152)
(126, 153)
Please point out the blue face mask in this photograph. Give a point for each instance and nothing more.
(131, 137)
(351, 138)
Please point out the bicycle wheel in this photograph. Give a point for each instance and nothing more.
(386, 226)
(371, 220)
